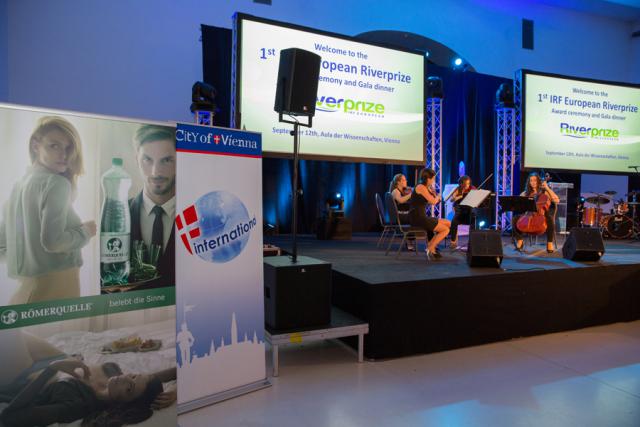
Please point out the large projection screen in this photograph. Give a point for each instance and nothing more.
(370, 105)
(572, 124)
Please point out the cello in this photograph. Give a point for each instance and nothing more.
(535, 222)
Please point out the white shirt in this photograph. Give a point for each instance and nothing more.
(147, 218)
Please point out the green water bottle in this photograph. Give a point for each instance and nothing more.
(115, 226)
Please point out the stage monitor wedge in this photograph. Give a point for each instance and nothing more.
(370, 102)
(576, 124)
(485, 248)
(583, 244)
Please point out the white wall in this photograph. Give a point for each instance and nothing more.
(140, 58)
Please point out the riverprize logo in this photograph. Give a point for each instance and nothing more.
(216, 227)
(580, 132)
(331, 104)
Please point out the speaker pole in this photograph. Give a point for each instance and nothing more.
(294, 222)
(297, 67)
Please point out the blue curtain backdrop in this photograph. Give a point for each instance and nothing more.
(468, 136)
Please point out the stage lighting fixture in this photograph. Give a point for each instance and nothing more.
(335, 202)
(457, 62)
(203, 97)
(434, 87)
(481, 224)
(504, 96)
(203, 105)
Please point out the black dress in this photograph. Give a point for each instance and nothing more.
(62, 401)
(59, 402)
(418, 213)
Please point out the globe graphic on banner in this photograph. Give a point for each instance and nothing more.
(222, 217)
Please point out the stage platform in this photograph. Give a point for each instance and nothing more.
(417, 306)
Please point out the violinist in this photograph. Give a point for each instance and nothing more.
(401, 193)
(424, 195)
(535, 188)
(462, 213)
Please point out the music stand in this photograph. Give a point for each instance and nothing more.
(475, 199)
(517, 204)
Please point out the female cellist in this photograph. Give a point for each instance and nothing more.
(422, 196)
(536, 188)
(462, 213)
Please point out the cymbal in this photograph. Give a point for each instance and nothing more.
(598, 200)
(611, 193)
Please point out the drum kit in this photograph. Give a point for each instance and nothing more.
(621, 221)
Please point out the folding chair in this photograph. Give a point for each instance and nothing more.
(407, 231)
(384, 219)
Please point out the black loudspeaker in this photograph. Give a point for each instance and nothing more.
(583, 244)
(504, 96)
(435, 88)
(296, 295)
(485, 249)
(297, 87)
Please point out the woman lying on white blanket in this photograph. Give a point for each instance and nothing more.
(45, 386)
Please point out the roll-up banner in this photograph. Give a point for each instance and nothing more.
(87, 295)
(219, 301)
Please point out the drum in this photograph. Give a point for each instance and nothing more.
(591, 217)
(621, 208)
(617, 226)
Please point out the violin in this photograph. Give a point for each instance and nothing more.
(535, 222)
(457, 192)
(432, 191)
(461, 192)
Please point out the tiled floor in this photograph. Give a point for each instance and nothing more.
(589, 377)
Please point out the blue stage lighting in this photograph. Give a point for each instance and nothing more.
(457, 62)
(338, 196)
(482, 224)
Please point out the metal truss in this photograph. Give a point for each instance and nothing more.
(517, 99)
(434, 147)
(505, 159)
(234, 78)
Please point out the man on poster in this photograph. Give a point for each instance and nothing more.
(153, 210)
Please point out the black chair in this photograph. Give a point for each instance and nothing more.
(407, 231)
(383, 216)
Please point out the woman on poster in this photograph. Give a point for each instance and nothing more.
(45, 386)
(40, 234)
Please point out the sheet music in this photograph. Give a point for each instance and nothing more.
(474, 198)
